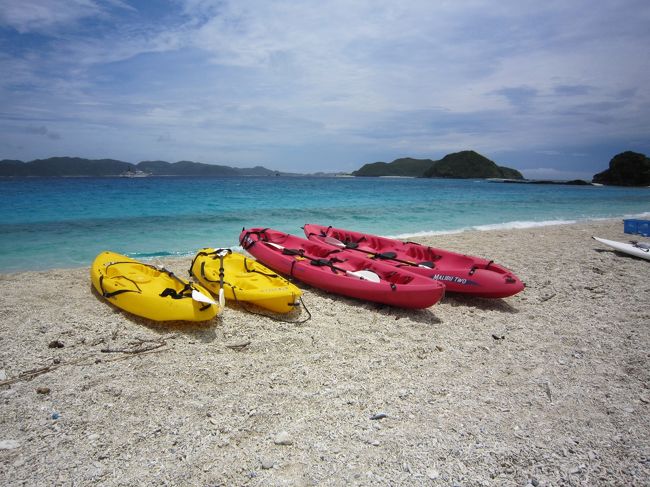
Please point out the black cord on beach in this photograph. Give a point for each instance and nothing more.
(274, 318)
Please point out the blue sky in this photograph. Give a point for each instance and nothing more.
(554, 89)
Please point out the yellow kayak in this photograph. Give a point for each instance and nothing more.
(148, 291)
(244, 279)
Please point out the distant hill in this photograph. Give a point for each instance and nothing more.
(626, 169)
(79, 167)
(464, 164)
(64, 166)
(189, 168)
(469, 164)
(406, 166)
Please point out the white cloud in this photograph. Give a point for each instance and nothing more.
(372, 76)
(43, 15)
(35, 15)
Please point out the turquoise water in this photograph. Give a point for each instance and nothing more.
(54, 223)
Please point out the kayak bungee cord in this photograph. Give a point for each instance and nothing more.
(274, 318)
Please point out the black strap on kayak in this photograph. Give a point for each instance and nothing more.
(199, 254)
(120, 291)
(317, 262)
(183, 293)
(186, 292)
(247, 242)
(328, 263)
(214, 255)
(323, 263)
(385, 255)
(351, 244)
(323, 233)
(299, 252)
(203, 274)
(107, 295)
(389, 256)
(293, 264)
(159, 269)
(393, 256)
(176, 294)
(257, 271)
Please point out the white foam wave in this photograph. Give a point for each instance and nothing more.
(522, 224)
(509, 226)
(639, 215)
(432, 233)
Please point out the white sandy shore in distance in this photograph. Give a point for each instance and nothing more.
(549, 387)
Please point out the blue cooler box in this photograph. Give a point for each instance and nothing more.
(643, 227)
(637, 227)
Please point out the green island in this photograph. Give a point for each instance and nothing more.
(626, 169)
(80, 167)
(459, 165)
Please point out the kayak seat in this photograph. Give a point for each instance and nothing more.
(398, 278)
(137, 274)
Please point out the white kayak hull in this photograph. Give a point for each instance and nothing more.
(626, 248)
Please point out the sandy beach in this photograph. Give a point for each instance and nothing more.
(549, 387)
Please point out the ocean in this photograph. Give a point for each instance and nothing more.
(65, 222)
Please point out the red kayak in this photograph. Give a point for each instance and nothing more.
(460, 273)
(340, 271)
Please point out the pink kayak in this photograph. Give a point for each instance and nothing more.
(460, 273)
(340, 271)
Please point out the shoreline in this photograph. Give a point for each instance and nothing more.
(547, 387)
(422, 237)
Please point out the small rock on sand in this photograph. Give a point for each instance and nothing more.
(267, 463)
(433, 474)
(9, 444)
(283, 438)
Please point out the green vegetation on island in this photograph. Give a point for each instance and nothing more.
(79, 167)
(190, 168)
(626, 169)
(406, 167)
(462, 165)
(469, 164)
(64, 166)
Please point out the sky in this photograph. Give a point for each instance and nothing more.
(554, 89)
